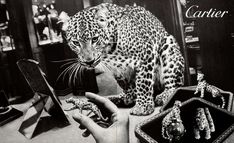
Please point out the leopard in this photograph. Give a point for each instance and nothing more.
(133, 44)
(172, 125)
(202, 124)
(82, 104)
(203, 86)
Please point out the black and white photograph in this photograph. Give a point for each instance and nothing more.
(116, 71)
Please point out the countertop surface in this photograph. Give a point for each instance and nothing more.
(69, 134)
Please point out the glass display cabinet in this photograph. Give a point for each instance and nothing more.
(46, 20)
(6, 40)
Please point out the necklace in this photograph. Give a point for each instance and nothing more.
(172, 125)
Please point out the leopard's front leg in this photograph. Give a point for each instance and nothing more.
(144, 90)
(197, 89)
(171, 69)
(122, 69)
(126, 98)
(201, 87)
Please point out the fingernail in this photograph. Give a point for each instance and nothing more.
(87, 93)
(77, 115)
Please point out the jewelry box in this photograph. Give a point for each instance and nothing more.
(149, 131)
(185, 93)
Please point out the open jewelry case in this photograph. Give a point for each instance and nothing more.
(185, 93)
(150, 130)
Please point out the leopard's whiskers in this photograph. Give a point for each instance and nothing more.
(69, 70)
(70, 62)
(63, 73)
(71, 73)
(77, 67)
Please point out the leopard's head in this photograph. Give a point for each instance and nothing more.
(90, 32)
(200, 76)
(85, 37)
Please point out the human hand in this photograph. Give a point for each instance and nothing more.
(118, 132)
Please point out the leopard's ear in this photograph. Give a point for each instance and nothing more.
(103, 6)
(63, 19)
(102, 15)
(102, 10)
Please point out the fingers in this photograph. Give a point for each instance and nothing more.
(102, 100)
(88, 123)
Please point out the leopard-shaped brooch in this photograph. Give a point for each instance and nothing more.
(172, 125)
(203, 122)
(203, 86)
(83, 104)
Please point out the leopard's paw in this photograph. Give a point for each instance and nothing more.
(116, 99)
(162, 98)
(142, 110)
(121, 100)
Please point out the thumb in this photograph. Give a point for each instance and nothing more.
(94, 128)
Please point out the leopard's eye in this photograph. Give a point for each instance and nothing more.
(94, 39)
(76, 43)
(101, 19)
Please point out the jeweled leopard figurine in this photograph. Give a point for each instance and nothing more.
(82, 104)
(203, 86)
(172, 126)
(203, 122)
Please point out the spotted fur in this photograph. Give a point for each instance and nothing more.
(129, 40)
